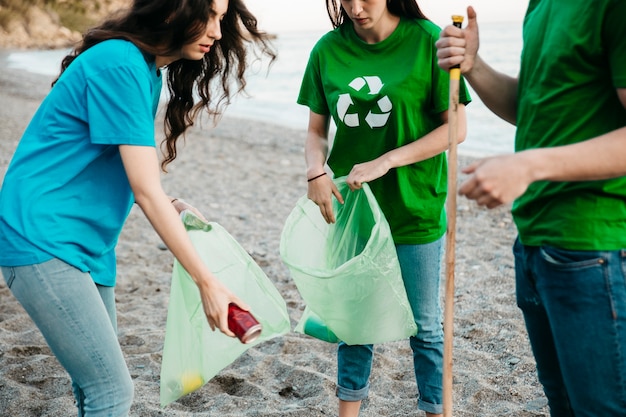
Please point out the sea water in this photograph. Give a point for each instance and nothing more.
(272, 91)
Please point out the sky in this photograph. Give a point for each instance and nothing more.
(290, 15)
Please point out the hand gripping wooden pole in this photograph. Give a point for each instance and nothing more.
(448, 322)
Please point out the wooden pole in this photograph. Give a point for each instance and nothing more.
(448, 322)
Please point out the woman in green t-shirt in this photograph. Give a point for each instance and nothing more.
(376, 75)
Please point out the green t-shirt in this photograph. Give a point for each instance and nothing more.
(383, 96)
(574, 58)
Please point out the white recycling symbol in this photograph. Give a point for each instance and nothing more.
(373, 119)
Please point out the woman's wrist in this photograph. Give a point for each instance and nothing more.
(315, 170)
(313, 178)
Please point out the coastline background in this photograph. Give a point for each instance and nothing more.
(246, 174)
(273, 93)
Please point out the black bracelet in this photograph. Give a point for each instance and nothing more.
(316, 177)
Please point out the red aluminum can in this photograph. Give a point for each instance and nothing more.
(243, 324)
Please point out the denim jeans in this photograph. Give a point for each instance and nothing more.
(421, 272)
(77, 319)
(574, 306)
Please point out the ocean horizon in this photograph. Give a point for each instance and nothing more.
(272, 92)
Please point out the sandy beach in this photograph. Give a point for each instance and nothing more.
(247, 176)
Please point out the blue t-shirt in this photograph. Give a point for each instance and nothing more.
(66, 194)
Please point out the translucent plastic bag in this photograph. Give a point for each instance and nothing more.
(192, 352)
(348, 272)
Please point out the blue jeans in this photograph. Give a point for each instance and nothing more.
(574, 305)
(77, 319)
(421, 272)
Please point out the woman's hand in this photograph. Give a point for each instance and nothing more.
(215, 300)
(321, 191)
(366, 172)
(180, 205)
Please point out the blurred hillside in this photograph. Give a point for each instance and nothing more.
(50, 24)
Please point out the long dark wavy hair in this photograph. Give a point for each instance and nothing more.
(162, 27)
(406, 8)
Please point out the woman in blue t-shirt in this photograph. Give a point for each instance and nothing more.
(376, 75)
(89, 154)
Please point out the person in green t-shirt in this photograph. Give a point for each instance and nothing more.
(376, 75)
(567, 183)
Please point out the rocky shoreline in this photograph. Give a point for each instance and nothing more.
(41, 27)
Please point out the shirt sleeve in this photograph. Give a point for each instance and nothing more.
(120, 106)
(312, 89)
